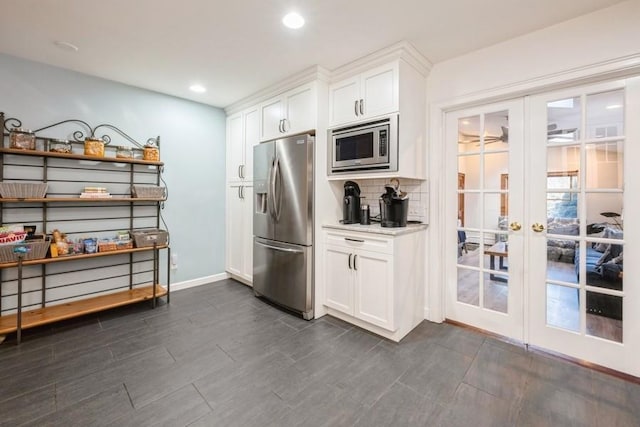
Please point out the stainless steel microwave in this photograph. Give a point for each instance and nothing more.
(365, 146)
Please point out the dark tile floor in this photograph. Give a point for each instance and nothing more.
(217, 356)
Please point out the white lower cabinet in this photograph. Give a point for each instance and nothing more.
(375, 281)
(239, 232)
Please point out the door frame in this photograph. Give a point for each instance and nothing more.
(437, 235)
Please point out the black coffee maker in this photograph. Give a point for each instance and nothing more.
(394, 207)
(351, 203)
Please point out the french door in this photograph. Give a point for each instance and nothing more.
(582, 195)
(485, 283)
(543, 212)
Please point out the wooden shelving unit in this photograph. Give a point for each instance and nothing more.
(69, 310)
(92, 283)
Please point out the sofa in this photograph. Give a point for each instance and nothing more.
(604, 268)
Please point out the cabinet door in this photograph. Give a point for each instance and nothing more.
(272, 112)
(300, 114)
(339, 278)
(235, 237)
(343, 96)
(380, 90)
(251, 138)
(235, 147)
(374, 288)
(247, 230)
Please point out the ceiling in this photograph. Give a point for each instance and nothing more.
(235, 48)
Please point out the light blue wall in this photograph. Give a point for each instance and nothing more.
(192, 146)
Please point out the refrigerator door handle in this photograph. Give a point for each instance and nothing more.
(276, 198)
(277, 248)
(271, 190)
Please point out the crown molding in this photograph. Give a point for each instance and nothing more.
(401, 50)
(307, 75)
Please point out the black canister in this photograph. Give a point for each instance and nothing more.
(365, 215)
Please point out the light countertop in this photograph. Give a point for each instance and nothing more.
(377, 229)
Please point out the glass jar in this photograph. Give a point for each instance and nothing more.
(22, 139)
(93, 146)
(123, 152)
(60, 146)
(151, 152)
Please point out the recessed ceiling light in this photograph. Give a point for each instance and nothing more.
(466, 122)
(293, 20)
(197, 88)
(613, 106)
(69, 47)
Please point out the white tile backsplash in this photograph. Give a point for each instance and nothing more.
(372, 189)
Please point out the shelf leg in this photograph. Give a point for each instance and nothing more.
(168, 275)
(155, 273)
(19, 315)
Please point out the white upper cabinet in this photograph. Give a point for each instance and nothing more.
(369, 94)
(290, 113)
(235, 147)
(243, 132)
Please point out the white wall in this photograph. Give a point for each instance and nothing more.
(604, 42)
(192, 146)
(600, 36)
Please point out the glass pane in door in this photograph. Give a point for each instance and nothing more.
(605, 114)
(469, 286)
(604, 316)
(604, 163)
(496, 131)
(564, 119)
(563, 307)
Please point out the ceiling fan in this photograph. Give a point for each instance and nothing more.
(552, 131)
(468, 138)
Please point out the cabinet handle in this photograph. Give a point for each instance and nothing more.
(356, 107)
(355, 259)
(350, 261)
(239, 173)
(361, 106)
(239, 195)
(354, 240)
(242, 192)
(282, 126)
(285, 122)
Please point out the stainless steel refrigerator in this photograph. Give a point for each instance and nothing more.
(283, 222)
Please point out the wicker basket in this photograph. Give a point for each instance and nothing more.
(148, 191)
(111, 246)
(30, 250)
(146, 238)
(22, 190)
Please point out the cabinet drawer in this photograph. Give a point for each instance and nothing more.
(363, 241)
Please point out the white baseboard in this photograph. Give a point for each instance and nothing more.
(198, 282)
(426, 313)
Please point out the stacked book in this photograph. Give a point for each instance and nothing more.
(95, 193)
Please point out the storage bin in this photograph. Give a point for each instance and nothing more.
(36, 249)
(93, 147)
(22, 139)
(22, 190)
(148, 191)
(146, 238)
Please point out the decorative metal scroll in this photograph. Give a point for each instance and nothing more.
(86, 130)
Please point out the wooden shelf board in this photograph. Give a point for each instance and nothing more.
(78, 156)
(82, 200)
(77, 257)
(55, 313)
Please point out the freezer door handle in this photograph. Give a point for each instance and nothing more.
(277, 248)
